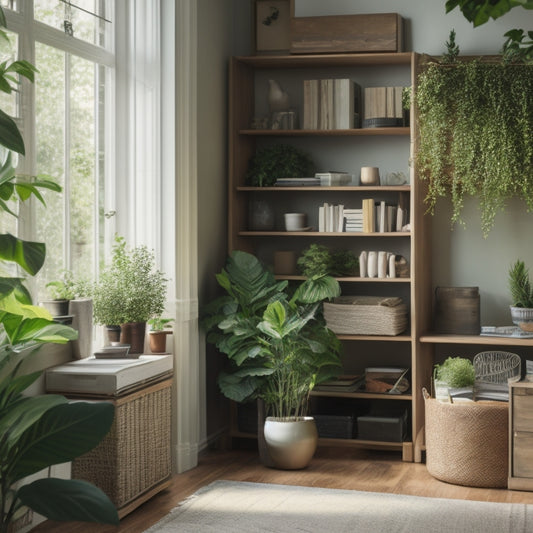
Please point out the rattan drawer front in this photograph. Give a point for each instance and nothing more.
(522, 412)
(523, 454)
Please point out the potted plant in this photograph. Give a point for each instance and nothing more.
(318, 260)
(521, 296)
(474, 118)
(278, 348)
(130, 291)
(454, 378)
(278, 161)
(157, 335)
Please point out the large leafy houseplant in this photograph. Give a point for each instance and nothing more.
(476, 134)
(36, 431)
(277, 342)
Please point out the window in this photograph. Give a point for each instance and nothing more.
(66, 123)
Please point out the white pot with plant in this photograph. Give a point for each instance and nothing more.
(278, 348)
(454, 379)
(521, 296)
(130, 291)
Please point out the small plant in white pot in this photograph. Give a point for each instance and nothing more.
(454, 379)
(157, 335)
(278, 348)
(521, 296)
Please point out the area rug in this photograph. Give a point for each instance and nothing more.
(240, 507)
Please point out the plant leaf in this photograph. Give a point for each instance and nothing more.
(10, 136)
(62, 434)
(29, 255)
(67, 500)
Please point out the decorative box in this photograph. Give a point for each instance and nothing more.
(383, 428)
(335, 426)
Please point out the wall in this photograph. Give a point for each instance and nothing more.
(461, 257)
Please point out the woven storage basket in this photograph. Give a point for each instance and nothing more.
(135, 455)
(366, 315)
(467, 442)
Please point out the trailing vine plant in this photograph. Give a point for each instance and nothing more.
(476, 134)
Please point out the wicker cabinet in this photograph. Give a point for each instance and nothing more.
(352, 147)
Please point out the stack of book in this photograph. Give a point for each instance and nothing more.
(383, 107)
(297, 182)
(353, 220)
(331, 104)
(383, 217)
(345, 383)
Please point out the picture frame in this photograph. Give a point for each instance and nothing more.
(272, 26)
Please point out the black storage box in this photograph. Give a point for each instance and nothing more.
(381, 427)
(247, 417)
(335, 426)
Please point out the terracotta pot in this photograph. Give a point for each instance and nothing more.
(158, 341)
(133, 333)
(291, 443)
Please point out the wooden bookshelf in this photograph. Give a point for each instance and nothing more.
(245, 74)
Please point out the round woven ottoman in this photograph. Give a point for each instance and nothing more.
(467, 442)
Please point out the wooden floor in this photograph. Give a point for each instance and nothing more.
(343, 468)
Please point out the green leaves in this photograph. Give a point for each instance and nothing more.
(277, 348)
(29, 255)
(476, 131)
(69, 500)
(520, 285)
(480, 11)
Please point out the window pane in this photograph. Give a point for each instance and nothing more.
(82, 166)
(10, 4)
(85, 18)
(50, 141)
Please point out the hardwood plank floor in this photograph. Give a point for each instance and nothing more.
(343, 468)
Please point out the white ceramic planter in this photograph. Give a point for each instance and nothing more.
(291, 443)
(82, 311)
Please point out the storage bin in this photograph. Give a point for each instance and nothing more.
(366, 315)
(380, 427)
(457, 310)
(467, 442)
(335, 426)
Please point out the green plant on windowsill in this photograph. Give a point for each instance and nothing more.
(159, 323)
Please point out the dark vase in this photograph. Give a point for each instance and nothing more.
(133, 333)
(113, 333)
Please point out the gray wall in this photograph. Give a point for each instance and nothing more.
(461, 256)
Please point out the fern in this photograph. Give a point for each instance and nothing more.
(520, 285)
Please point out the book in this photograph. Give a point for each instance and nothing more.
(368, 215)
(345, 383)
(326, 105)
(343, 104)
(311, 104)
(297, 182)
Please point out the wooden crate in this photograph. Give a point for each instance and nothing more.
(380, 32)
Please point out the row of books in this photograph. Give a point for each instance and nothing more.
(372, 217)
(331, 104)
(382, 217)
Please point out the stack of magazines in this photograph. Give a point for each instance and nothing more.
(345, 383)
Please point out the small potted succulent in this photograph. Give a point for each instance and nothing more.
(454, 378)
(157, 335)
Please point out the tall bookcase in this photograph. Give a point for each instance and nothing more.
(330, 149)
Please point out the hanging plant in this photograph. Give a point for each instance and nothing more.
(476, 134)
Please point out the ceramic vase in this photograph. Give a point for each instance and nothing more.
(82, 322)
(133, 333)
(291, 443)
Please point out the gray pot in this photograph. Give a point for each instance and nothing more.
(82, 322)
(523, 318)
(56, 307)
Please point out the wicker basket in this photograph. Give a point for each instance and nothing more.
(366, 315)
(135, 456)
(467, 442)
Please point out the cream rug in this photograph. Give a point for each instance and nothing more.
(231, 506)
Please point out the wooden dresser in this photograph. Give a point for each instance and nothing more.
(521, 436)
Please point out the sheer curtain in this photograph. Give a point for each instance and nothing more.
(155, 196)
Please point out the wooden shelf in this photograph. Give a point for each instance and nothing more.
(350, 279)
(327, 234)
(387, 338)
(433, 338)
(363, 395)
(356, 132)
(327, 60)
(343, 188)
